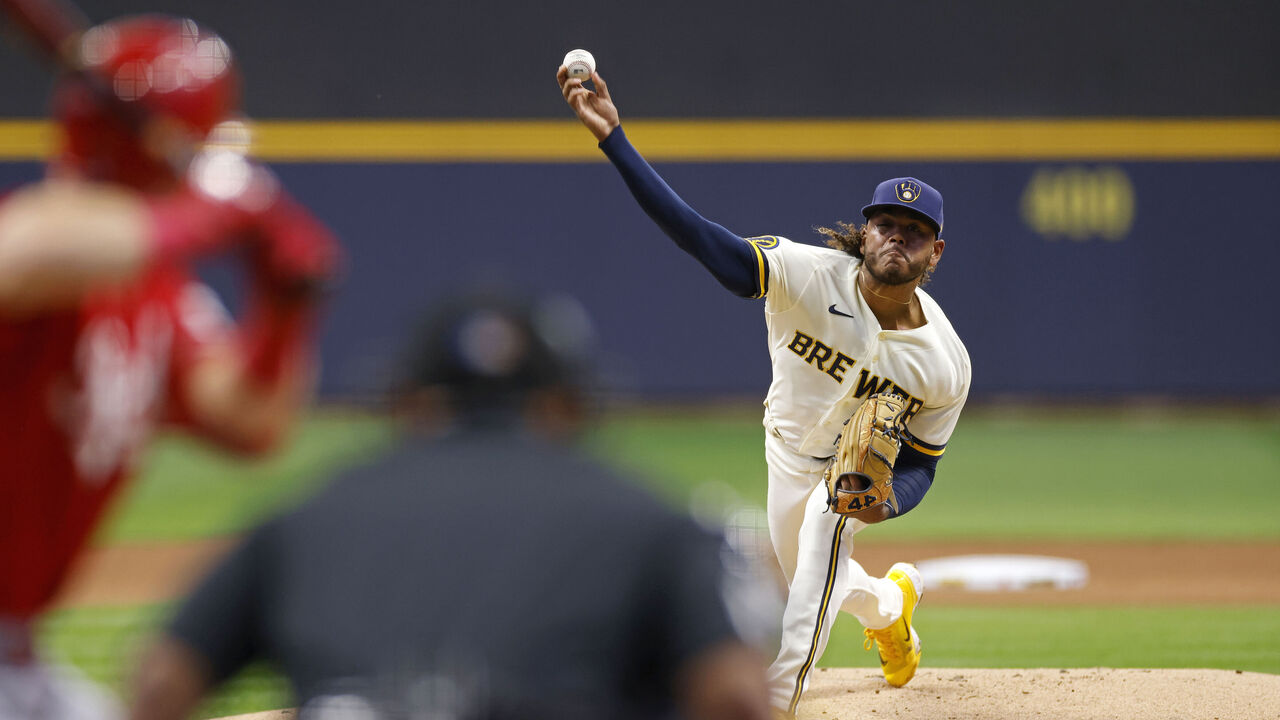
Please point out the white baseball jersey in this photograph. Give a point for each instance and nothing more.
(829, 353)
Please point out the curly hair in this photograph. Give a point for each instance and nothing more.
(848, 238)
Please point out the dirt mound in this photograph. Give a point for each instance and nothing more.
(1076, 694)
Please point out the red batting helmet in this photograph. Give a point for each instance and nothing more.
(136, 69)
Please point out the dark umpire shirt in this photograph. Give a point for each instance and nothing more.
(485, 574)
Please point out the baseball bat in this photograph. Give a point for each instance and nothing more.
(51, 25)
(54, 27)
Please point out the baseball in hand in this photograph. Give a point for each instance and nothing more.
(580, 64)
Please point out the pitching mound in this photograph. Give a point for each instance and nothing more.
(1079, 694)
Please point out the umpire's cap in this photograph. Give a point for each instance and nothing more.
(489, 350)
(912, 194)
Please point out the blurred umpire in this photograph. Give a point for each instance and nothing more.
(480, 569)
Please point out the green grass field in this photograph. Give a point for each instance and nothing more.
(1020, 474)
(1008, 473)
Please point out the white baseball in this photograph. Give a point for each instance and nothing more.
(580, 63)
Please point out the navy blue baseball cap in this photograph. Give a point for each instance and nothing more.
(909, 193)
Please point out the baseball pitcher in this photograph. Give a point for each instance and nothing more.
(868, 381)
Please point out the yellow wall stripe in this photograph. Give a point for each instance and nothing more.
(25, 139)
(739, 140)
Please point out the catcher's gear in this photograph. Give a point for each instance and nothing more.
(860, 475)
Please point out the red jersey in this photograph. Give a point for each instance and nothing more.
(82, 390)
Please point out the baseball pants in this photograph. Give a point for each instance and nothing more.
(814, 547)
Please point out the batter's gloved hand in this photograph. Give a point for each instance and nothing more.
(860, 476)
(294, 252)
(290, 250)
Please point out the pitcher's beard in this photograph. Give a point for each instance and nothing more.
(897, 273)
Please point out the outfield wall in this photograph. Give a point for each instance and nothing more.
(1064, 278)
(1109, 168)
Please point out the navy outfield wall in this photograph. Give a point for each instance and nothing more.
(1109, 273)
(1174, 301)
(1064, 279)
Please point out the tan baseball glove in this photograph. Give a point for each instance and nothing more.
(860, 475)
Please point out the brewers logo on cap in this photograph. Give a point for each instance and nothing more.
(907, 191)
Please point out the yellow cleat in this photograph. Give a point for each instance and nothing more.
(899, 644)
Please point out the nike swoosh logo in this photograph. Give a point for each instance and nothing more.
(834, 311)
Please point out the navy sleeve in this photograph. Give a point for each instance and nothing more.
(912, 477)
(219, 619)
(736, 263)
